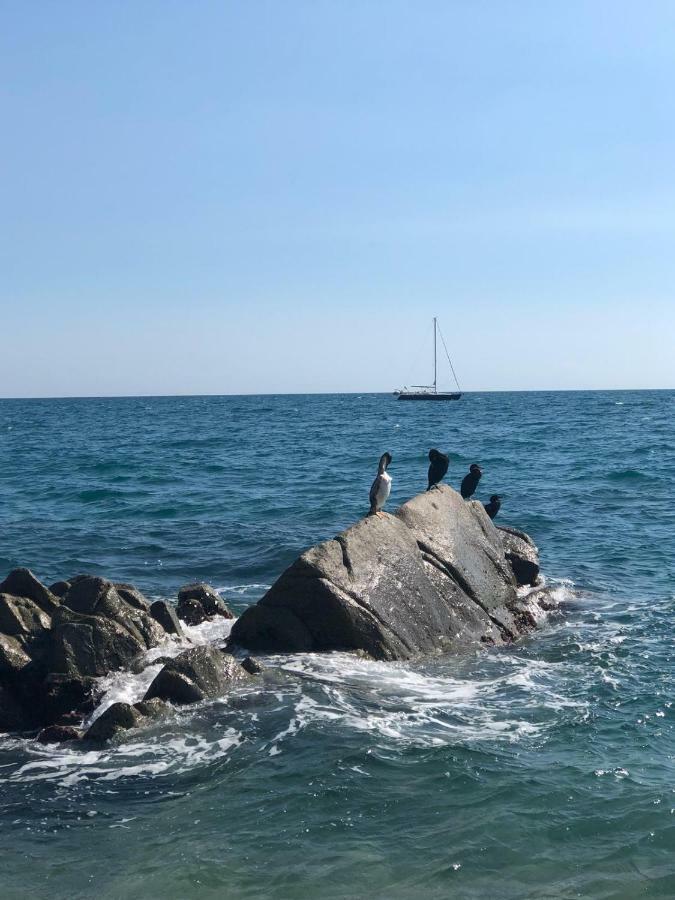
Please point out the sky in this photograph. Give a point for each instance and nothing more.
(261, 197)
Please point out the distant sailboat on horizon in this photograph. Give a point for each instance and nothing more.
(431, 392)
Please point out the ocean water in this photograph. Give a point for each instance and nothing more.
(544, 769)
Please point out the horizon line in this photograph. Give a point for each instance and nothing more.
(333, 393)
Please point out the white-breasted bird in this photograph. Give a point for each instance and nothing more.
(381, 487)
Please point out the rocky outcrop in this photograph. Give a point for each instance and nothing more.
(196, 674)
(55, 643)
(435, 576)
(432, 577)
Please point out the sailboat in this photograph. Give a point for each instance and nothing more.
(430, 391)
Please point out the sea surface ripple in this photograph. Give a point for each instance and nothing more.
(540, 770)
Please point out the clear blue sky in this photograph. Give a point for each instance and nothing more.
(224, 197)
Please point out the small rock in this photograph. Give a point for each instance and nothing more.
(166, 616)
(13, 658)
(154, 708)
(252, 665)
(59, 588)
(191, 611)
(196, 674)
(58, 734)
(210, 599)
(116, 718)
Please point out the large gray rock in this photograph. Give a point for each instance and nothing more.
(22, 583)
(196, 674)
(459, 538)
(521, 553)
(432, 577)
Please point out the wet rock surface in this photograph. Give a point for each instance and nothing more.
(58, 734)
(167, 618)
(196, 674)
(199, 602)
(117, 717)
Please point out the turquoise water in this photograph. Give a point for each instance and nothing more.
(544, 769)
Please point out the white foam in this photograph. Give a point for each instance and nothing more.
(127, 687)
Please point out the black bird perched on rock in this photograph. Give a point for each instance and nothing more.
(380, 488)
(493, 507)
(470, 481)
(439, 466)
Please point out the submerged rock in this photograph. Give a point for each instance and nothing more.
(154, 708)
(196, 674)
(434, 576)
(252, 665)
(58, 734)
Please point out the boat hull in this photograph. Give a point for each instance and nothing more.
(422, 395)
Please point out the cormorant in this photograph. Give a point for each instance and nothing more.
(470, 481)
(380, 488)
(493, 507)
(439, 466)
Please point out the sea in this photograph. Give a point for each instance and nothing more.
(541, 769)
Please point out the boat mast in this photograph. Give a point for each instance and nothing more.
(435, 355)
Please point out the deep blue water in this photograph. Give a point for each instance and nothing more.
(544, 769)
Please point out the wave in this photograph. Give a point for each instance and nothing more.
(627, 475)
